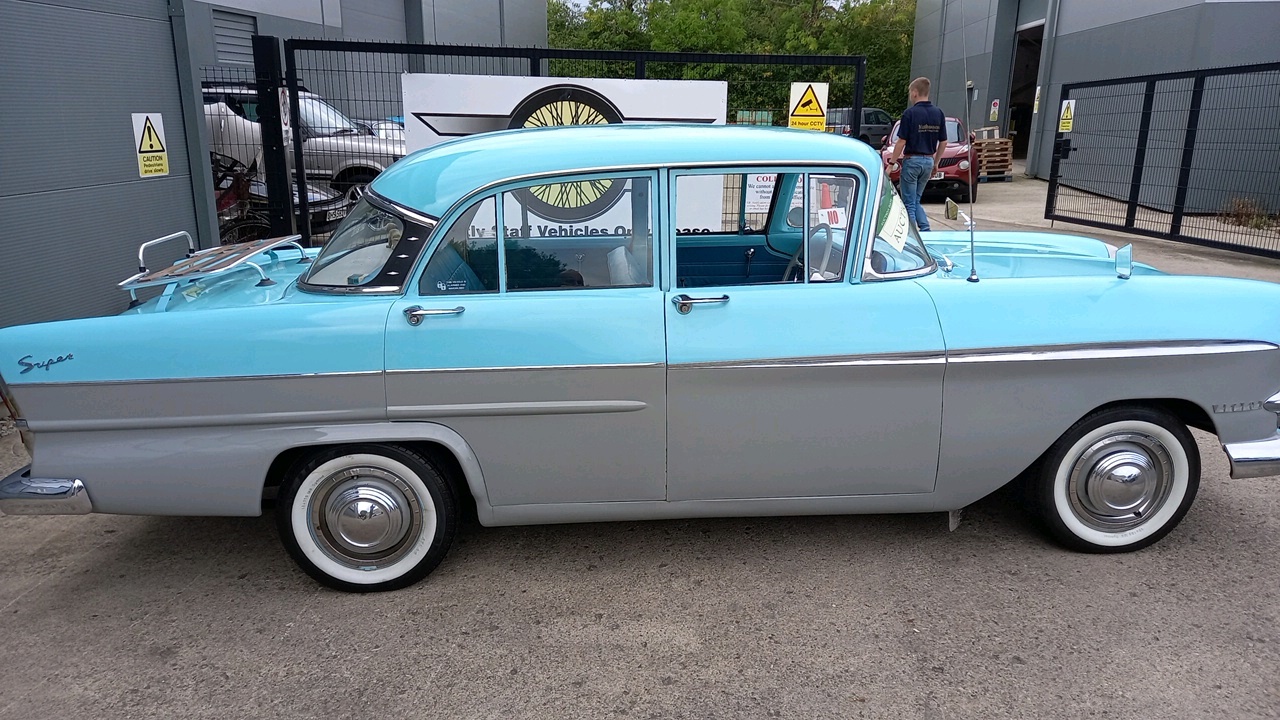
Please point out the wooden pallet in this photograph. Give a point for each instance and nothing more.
(995, 159)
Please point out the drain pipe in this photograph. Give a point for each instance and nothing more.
(1043, 75)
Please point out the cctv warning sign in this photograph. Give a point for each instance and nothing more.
(808, 106)
(148, 139)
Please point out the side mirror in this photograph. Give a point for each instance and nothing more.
(795, 217)
(952, 211)
(1124, 262)
(973, 137)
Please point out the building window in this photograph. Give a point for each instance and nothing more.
(232, 33)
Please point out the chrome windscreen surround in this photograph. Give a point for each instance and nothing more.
(395, 274)
(870, 275)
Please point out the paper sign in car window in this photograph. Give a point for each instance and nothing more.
(896, 224)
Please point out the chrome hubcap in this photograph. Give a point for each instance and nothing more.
(365, 516)
(1118, 482)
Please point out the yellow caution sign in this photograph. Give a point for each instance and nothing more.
(1067, 117)
(148, 138)
(808, 106)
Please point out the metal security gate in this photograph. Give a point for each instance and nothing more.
(1191, 156)
(362, 80)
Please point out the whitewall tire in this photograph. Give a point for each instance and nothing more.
(365, 518)
(1119, 480)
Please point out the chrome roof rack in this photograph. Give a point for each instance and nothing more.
(199, 264)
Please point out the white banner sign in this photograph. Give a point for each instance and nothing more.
(440, 107)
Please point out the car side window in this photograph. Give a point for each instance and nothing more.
(579, 234)
(803, 237)
(466, 259)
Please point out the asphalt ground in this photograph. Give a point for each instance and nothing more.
(869, 616)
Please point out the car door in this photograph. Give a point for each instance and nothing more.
(544, 352)
(809, 384)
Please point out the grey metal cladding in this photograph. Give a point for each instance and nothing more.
(317, 399)
(90, 249)
(77, 131)
(374, 20)
(565, 457)
(466, 21)
(761, 432)
(71, 200)
(1000, 416)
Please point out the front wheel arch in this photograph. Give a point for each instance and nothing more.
(1118, 480)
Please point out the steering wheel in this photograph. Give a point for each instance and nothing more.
(793, 267)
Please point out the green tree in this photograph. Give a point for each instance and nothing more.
(882, 30)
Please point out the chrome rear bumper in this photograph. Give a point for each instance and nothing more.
(21, 494)
(1258, 458)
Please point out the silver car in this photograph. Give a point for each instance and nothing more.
(335, 148)
(875, 124)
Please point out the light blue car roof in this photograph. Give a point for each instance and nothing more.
(431, 180)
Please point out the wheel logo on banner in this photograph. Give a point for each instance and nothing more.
(552, 106)
(557, 106)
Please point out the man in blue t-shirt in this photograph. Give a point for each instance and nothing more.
(922, 139)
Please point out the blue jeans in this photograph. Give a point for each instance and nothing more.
(911, 181)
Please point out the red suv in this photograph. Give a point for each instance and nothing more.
(956, 176)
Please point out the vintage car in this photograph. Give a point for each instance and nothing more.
(635, 347)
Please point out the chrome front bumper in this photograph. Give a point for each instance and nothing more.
(21, 494)
(1258, 458)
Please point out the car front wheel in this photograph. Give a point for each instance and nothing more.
(1119, 480)
(366, 518)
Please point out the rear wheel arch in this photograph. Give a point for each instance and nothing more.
(445, 449)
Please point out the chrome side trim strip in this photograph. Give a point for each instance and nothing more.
(309, 417)
(1102, 351)
(570, 407)
(21, 494)
(1258, 458)
(224, 378)
(920, 358)
(523, 368)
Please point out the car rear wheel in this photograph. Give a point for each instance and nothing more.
(366, 518)
(1119, 480)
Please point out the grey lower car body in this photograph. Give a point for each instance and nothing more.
(143, 448)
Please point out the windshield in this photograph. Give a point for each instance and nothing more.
(358, 250)
(897, 247)
(322, 118)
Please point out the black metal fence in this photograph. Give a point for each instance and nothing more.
(235, 152)
(346, 102)
(1192, 156)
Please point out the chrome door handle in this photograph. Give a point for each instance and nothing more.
(684, 303)
(415, 313)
